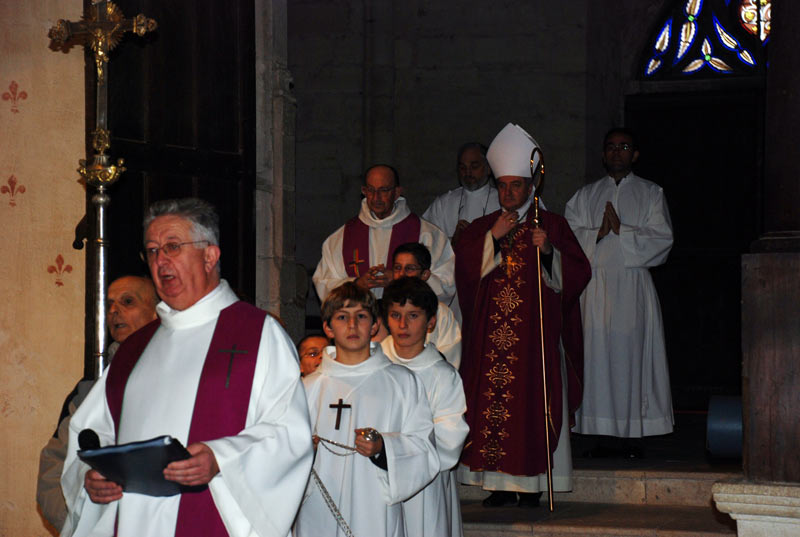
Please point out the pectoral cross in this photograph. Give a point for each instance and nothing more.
(511, 265)
(339, 407)
(356, 261)
(233, 353)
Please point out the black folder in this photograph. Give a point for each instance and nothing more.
(139, 466)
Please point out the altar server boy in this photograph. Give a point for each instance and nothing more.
(409, 308)
(372, 426)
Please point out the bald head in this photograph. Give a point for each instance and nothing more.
(131, 305)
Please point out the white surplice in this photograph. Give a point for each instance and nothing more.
(386, 397)
(461, 204)
(626, 389)
(331, 271)
(435, 511)
(263, 470)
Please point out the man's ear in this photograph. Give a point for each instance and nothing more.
(211, 255)
(424, 275)
(399, 190)
(635, 156)
(431, 324)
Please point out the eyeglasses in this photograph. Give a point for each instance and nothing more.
(619, 147)
(313, 353)
(371, 191)
(171, 249)
(408, 269)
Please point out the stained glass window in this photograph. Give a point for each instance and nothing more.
(707, 38)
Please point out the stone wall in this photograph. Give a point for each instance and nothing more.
(408, 82)
(41, 321)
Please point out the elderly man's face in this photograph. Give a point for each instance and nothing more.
(473, 170)
(513, 191)
(190, 274)
(381, 191)
(131, 305)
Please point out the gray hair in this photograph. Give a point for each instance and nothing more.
(204, 219)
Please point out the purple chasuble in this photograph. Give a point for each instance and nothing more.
(355, 244)
(220, 408)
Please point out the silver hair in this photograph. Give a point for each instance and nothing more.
(202, 215)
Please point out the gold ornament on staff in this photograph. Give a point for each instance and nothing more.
(539, 168)
(100, 29)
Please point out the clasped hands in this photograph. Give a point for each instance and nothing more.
(377, 276)
(610, 221)
(509, 220)
(199, 469)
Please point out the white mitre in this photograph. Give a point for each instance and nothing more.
(510, 152)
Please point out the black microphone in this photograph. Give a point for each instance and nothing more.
(88, 439)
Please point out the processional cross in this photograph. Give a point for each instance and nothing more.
(101, 29)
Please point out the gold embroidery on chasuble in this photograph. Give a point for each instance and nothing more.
(496, 413)
(496, 317)
(503, 434)
(491, 355)
(489, 393)
(486, 432)
(504, 337)
(500, 375)
(507, 300)
(492, 452)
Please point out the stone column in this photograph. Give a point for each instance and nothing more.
(766, 502)
(280, 284)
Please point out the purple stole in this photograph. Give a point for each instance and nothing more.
(220, 409)
(355, 244)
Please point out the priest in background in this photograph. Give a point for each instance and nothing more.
(623, 225)
(476, 197)
(363, 248)
(496, 272)
(217, 374)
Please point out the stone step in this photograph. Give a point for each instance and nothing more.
(654, 487)
(574, 519)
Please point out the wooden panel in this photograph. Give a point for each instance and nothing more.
(182, 102)
(771, 372)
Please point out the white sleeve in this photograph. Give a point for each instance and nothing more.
(443, 260)
(648, 244)
(448, 405)
(412, 461)
(446, 336)
(264, 469)
(330, 272)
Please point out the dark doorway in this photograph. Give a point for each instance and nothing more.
(182, 115)
(704, 149)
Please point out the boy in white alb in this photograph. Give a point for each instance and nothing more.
(409, 308)
(372, 426)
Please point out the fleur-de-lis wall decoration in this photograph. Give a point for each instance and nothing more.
(59, 269)
(12, 190)
(14, 96)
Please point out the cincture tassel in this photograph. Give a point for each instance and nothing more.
(546, 407)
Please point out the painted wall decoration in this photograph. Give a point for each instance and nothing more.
(12, 189)
(59, 269)
(15, 96)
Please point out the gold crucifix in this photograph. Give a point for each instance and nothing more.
(511, 265)
(101, 29)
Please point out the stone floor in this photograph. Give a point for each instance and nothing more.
(664, 494)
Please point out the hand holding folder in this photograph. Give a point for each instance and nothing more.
(137, 466)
